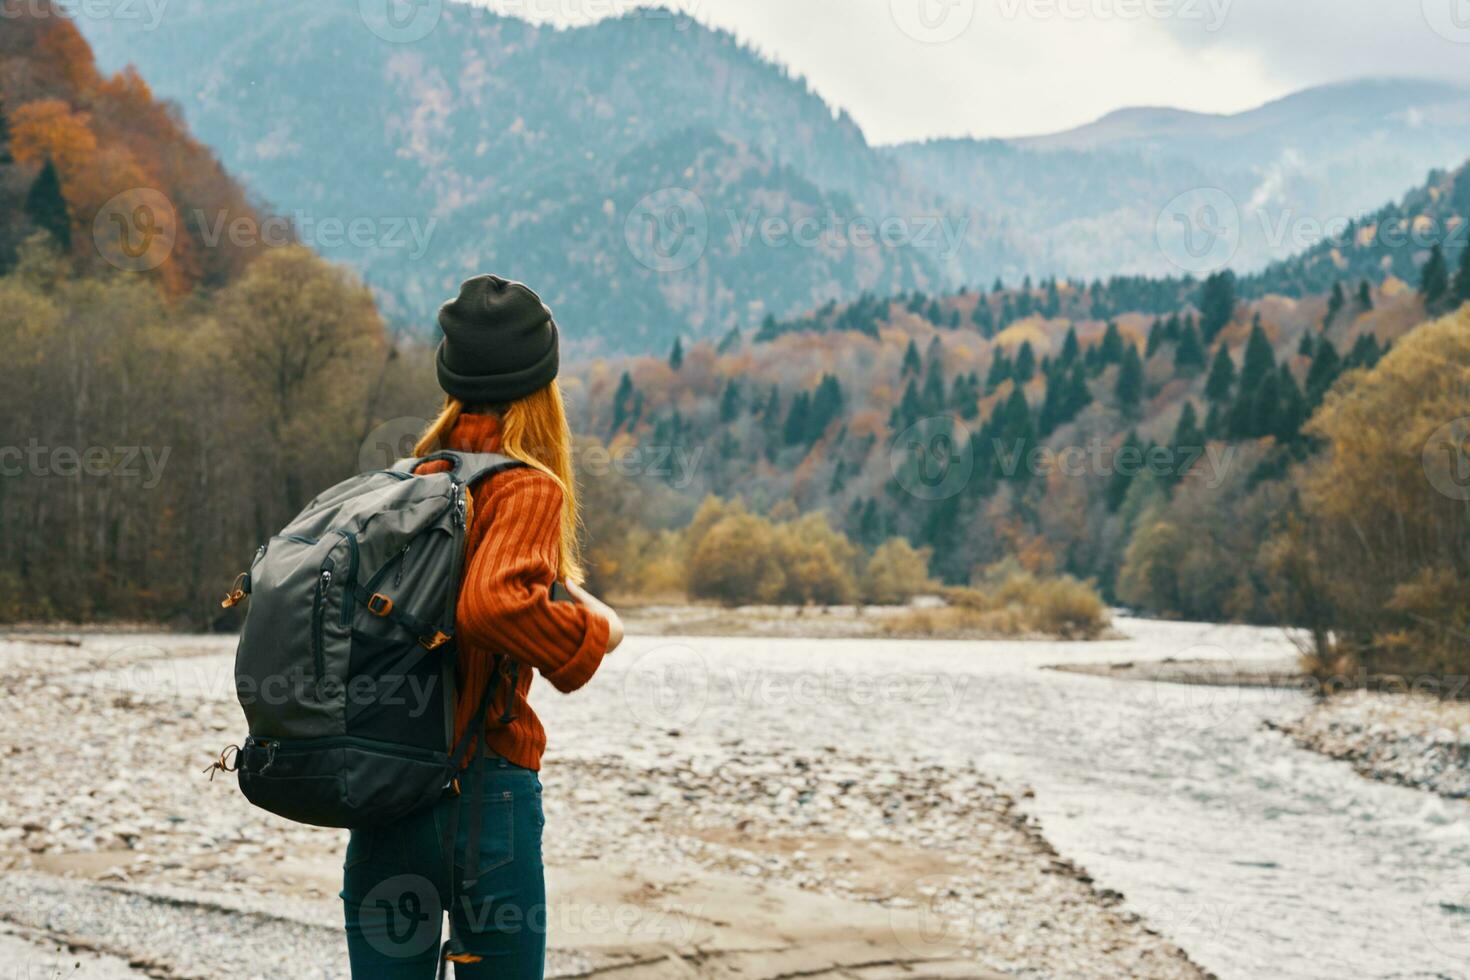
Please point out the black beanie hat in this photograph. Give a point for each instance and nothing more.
(500, 342)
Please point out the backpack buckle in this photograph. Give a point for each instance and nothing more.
(436, 641)
(379, 604)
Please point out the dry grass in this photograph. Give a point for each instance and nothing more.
(1022, 604)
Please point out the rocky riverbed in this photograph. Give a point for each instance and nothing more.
(1411, 740)
(759, 845)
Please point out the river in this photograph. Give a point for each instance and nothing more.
(1260, 859)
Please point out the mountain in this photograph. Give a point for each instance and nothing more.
(528, 150)
(651, 176)
(1088, 201)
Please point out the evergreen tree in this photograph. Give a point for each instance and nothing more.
(1222, 377)
(730, 402)
(1307, 345)
(983, 319)
(1000, 370)
(825, 407)
(1326, 366)
(1216, 304)
(1260, 360)
(1291, 408)
(965, 400)
(795, 430)
(1188, 441)
(1126, 463)
(1018, 432)
(910, 409)
(1365, 295)
(1434, 279)
(622, 407)
(934, 388)
(1078, 395)
(1189, 357)
(1130, 381)
(1365, 353)
(1025, 366)
(1070, 348)
(1461, 286)
(46, 207)
(1335, 303)
(1112, 345)
(1155, 337)
(676, 356)
(911, 362)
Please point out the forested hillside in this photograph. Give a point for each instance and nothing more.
(1158, 437)
(76, 147)
(170, 397)
(534, 151)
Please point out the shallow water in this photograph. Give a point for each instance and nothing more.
(1258, 858)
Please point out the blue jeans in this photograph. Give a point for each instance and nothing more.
(396, 887)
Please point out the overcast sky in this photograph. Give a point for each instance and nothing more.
(910, 69)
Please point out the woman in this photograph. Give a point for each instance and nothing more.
(497, 365)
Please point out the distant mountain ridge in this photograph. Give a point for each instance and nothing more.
(553, 155)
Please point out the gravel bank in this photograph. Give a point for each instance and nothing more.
(111, 836)
(1415, 741)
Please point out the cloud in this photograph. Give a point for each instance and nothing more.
(1309, 42)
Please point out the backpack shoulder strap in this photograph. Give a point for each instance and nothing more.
(465, 468)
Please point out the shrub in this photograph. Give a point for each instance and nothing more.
(896, 573)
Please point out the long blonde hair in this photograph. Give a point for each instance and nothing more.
(533, 430)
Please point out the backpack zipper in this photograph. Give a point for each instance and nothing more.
(318, 655)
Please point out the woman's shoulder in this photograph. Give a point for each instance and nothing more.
(524, 483)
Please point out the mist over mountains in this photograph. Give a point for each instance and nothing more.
(656, 178)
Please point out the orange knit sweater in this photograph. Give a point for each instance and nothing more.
(505, 600)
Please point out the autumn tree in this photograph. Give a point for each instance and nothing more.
(895, 573)
(1385, 505)
(300, 332)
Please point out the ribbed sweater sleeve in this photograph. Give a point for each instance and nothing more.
(505, 601)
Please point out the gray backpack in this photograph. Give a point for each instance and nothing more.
(346, 662)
